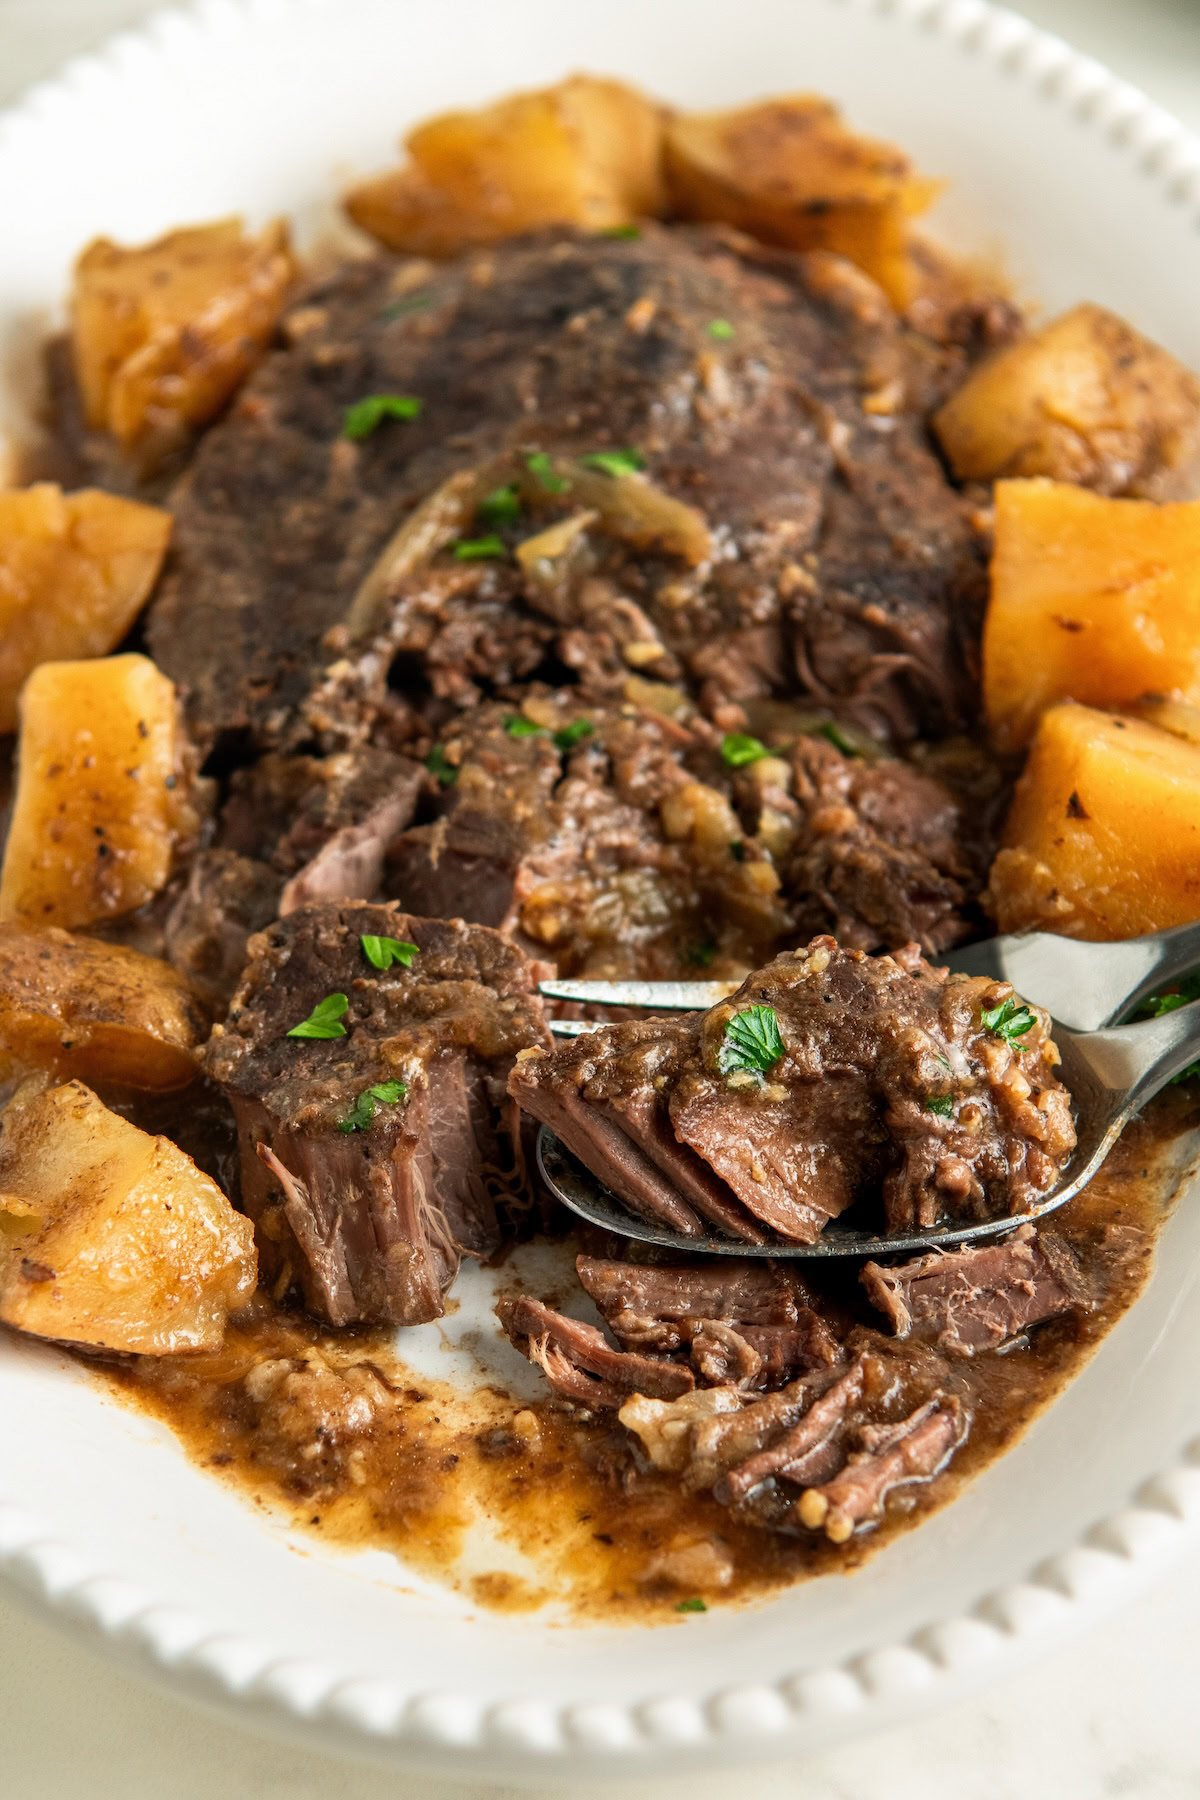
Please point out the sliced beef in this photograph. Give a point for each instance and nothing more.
(323, 823)
(967, 1300)
(831, 551)
(225, 899)
(370, 1160)
(915, 1450)
(606, 1096)
(748, 1322)
(824, 1453)
(579, 1362)
(883, 1082)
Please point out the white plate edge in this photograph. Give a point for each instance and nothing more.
(1109, 1560)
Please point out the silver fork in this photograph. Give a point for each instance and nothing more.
(1111, 1073)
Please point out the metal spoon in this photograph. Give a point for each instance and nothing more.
(1111, 1074)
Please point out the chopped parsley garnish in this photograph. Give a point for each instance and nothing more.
(384, 1093)
(1010, 1020)
(720, 329)
(382, 952)
(738, 850)
(941, 1104)
(701, 954)
(738, 748)
(837, 737)
(480, 549)
(622, 231)
(411, 303)
(752, 1041)
(519, 727)
(502, 506)
(367, 415)
(695, 1605)
(325, 1019)
(568, 736)
(439, 766)
(1157, 1004)
(615, 462)
(541, 467)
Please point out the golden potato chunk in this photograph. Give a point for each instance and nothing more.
(165, 333)
(110, 1238)
(102, 802)
(1091, 599)
(75, 571)
(1103, 840)
(586, 153)
(791, 172)
(1086, 399)
(98, 1012)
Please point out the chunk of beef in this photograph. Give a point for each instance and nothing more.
(609, 851)
(324, 824)
(747, 1321)
(978, 1299)
(832, 551)
(887, 1081)
(883, 854)
(915, 1450)
(370, 1159)
(225, 899)
(579, 1362)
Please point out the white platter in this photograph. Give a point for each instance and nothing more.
(263, 105)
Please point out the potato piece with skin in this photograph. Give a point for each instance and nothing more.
(586, 152)
(1085, 399)
(791, 172)
(1103, 839)
(164, 333)
(103, 801)
(110, 1238)
(75, 571)
(95, 1011)
(1092, 599)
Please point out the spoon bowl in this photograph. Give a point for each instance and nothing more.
(1109, 1074)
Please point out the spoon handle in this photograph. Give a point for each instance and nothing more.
(1138, 1060)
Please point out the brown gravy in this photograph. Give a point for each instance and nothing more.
(431, 1457)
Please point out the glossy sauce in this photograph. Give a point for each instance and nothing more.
(388, 1459)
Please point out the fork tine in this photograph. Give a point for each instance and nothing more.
(659, 996)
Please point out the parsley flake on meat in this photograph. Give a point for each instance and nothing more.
(1009, 1020)
(441, 767)
(692, 1606)
(622, 231)
(502, 506)
(615, 462)
(568, 736)
(368, 414)
(382, 952)
(411, 303)
(325, 1019)
(480, 549)
(834, 734)
(517, 726)
(541, 467)
(738, 749)
(941, 1104)
(752, 1042)
(701, 954)
(720, 329)
(384, 1093)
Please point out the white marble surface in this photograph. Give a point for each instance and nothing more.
(1116, 1716)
